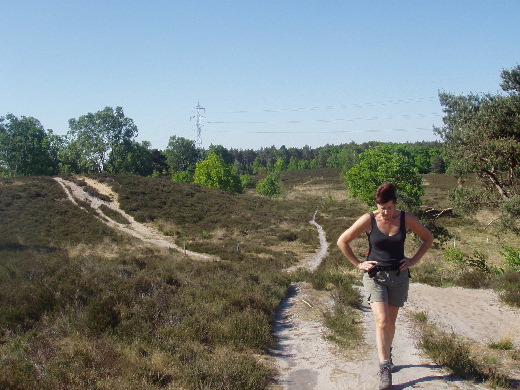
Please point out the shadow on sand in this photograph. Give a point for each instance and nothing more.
(424, 379)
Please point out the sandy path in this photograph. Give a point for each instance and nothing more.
(475, 314)
(307, 361)
(312, 261)
(138, 230)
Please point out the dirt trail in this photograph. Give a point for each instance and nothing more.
(306, 360)
(146, 233)
(312, 261)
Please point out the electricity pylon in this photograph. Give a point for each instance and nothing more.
(198, 109)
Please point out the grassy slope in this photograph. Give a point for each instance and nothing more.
(84, 307)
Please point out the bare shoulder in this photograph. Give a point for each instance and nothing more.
(362, 225)
(411, 220)
(365, 220)
(412, 223)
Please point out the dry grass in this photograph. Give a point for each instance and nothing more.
(466, 359)
(84, 307)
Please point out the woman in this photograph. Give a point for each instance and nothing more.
(386, 267)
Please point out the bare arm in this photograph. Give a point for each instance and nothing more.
(362, 225)
(424, 234)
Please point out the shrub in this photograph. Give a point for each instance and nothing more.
(247, 181)
(448, 350)
(504, 344)
(114, 215)
(378, 165)
(215, 173)
(421, 317)
(225, 369)
(343, 321)
(270, 186)
(184, 176)
(511, 257)
(477, 262)
(287, 236)
(432, 273)
(95, 193)
(102, 315)
(456, 354)
(509, 287)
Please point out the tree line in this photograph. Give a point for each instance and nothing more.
(480, 137)
(105, 141)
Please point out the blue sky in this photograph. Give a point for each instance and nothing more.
(290, 73)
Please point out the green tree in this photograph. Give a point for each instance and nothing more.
(377, 166)
(293, 163)
(184, 176)
(304, 164)
(511, 79)
(279, 165)
(136, 158)
(182, 155)
(222, 152)
(26, 148)
(258, 167)
(438, 164)
(159, 163)
(349, 156)
(99, 141)
(270, 186)
(214, 172)
(247, 181)
(481, 135)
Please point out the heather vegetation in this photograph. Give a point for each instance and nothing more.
(86, 307)
(465, 360)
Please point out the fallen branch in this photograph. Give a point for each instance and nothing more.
(493, 220)
(307, 303)
(432, 211)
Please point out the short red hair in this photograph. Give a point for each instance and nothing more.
(385, 193)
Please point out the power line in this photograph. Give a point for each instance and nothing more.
(288, 124)
(333, 107)
(327, 132)
(389, 117)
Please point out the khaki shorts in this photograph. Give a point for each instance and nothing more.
(386, 286)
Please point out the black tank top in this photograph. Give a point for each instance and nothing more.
(385, 249)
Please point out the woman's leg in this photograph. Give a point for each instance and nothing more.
(385, 316)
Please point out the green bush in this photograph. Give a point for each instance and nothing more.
(184, 176)
(433, 274)
(476, 262)
(381, 164)
(344, 325)
(456, 354)
(247, 181)
(114, 215)
(511, 257)
(270, 186)
(215, 173)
